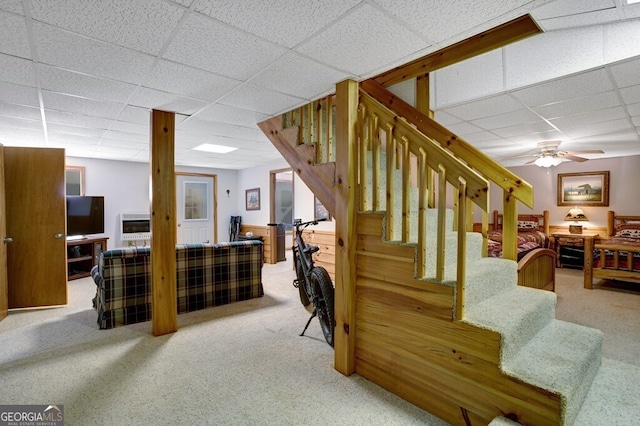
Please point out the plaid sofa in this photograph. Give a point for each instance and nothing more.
(207, 275)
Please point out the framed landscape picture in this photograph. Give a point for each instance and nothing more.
(252, 199)
(583, 189)
(320, 211)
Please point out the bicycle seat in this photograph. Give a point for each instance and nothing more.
(311, 249)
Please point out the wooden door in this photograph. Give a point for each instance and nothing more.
(36, 220)
(4, 296)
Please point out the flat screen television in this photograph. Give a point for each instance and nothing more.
(85, 215)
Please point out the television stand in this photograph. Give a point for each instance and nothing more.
(83, 255)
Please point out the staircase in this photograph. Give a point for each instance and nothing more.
(437, 322)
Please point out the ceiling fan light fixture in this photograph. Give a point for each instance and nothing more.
(547, 161)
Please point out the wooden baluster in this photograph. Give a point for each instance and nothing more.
(374, 133)
(406, 190)
(391, 167)
(442, 221)
(362, 126)
(461, 261)
(423, 201)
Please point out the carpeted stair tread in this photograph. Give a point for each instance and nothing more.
(613, 397)
(518, 315)
(487, 277)
(563, 358)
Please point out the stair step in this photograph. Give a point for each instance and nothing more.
(487, 277)
(563, 358)
(518, 315)
(613, 397)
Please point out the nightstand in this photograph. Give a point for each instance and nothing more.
(570, 248)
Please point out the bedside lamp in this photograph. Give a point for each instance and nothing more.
(576, 215)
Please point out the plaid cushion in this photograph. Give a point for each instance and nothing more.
(207, 275)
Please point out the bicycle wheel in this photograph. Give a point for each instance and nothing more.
(323, 288)
(304, 298)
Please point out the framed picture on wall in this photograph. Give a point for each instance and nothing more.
(252, 199)
(583, 189)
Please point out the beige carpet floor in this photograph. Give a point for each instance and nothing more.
(236, 364)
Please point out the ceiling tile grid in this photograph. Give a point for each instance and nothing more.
(225, 65)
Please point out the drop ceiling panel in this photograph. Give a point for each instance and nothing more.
(20, 111)
(20, 95)
(75, 52)
(474, 78)
(571, 7)
(14, 39)
(143, 25)
(379, 39)
(574, 123)
(14, 6)
(296, 23)
(76, 119)
(228, 114)
(53, 128)
(73, 104)
(127, 136)
(521, 116)
(600, 128)
(248, 134)
(528, 61)
(631, 94)
(523, 129)
(626, 73)
(125, 126)
(17, 71)
(581, 20)
(207, 127)
(580, 105)
(562, 89)
(633, 109)
(187, 81)
(77, 84)
(485, 107)
(622, 39)
(155, 99)
(201, 42)
(260, 99)
(298, 76)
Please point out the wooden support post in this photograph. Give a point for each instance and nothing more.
(164, 310)
(346, 169)
(509, 227)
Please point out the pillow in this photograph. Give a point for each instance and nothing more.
(527, 225)
(631, 230)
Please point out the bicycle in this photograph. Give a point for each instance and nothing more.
(313, 282)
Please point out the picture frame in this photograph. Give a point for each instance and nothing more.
(320, 211)
(252, 199)
(583, 189)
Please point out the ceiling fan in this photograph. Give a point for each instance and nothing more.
(549, 154)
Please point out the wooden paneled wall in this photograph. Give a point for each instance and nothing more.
(326, 256)
(268, 240)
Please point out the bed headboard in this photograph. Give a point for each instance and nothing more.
(613, 221)
(542, 219)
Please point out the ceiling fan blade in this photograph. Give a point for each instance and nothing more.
(574, 158)
(586, 151)
(530, 161)
(522, 156)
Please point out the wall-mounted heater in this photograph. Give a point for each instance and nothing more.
(135, 226)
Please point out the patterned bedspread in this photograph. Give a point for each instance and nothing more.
(527, 241)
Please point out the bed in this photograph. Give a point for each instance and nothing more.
(618, 256)
(536, 257)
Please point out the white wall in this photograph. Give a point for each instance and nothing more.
(258, 177)
(623, 189)
(125, 187)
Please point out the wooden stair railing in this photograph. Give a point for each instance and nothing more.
(514, 188)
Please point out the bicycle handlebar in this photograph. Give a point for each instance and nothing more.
(298, 225)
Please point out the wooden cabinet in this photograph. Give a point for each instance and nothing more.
(82, 255)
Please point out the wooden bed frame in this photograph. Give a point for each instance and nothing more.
(614, 272)
(537, 269)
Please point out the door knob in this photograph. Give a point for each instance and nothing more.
(59, 235)
(7, 239)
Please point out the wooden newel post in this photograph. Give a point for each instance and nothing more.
(164, 309)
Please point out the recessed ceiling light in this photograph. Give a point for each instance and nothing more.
(218, 149)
